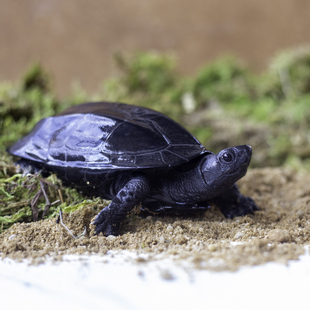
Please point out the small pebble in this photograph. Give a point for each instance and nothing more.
(180, 239)
(169, 228)
(278, 235)
(211, 247)
(166, 274)
(239, 235)
(110, 238)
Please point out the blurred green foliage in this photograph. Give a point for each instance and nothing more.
(224, 104)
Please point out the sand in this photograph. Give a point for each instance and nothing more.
(278, 232)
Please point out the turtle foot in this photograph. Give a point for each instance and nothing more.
(104, 224)
(245, 205)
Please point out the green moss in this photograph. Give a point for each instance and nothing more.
(36, 78)
(224, 80)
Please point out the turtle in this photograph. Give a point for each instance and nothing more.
(135, 156)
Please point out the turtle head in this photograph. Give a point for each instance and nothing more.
(221, 171)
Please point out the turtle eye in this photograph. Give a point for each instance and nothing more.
(227, 157)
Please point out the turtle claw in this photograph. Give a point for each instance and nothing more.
(104, 223)
(94, 222)
(245, 206)
(107, 229)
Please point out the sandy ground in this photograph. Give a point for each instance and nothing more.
(278, 232)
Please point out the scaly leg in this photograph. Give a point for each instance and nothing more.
(109, 219)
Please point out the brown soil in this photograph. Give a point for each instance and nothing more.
(278, 232)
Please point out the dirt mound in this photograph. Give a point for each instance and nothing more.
(278, 232)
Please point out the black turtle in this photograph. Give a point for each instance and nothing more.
(134, 155)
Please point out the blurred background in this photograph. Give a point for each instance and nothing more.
(75, 39)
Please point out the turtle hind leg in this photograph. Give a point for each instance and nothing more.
(233, 203)
(109, 219)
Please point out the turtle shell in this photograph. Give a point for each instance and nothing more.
(108, 136)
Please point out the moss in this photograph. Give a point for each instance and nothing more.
(36, 78)
(224, 80)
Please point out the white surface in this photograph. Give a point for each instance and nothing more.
(115, 282)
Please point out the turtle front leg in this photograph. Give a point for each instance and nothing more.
(233, 203)
(109, 218)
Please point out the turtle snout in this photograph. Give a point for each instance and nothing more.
(248, 149)
(243, 154)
